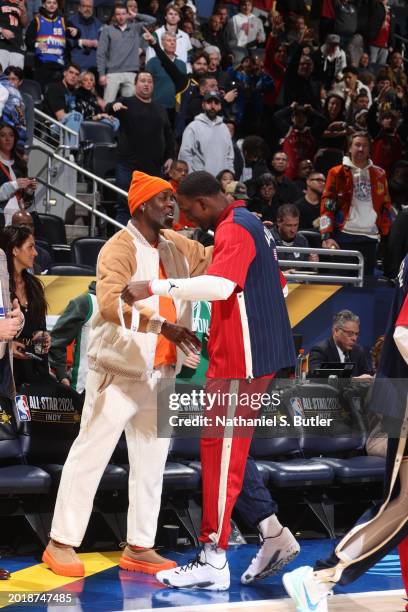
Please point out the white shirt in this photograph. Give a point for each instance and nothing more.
(362, 216)
(183, 44)
(12, 205)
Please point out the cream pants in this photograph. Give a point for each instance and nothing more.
(113, 404)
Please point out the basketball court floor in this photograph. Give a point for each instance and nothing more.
(106, 588)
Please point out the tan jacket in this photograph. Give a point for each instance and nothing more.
(126, 257)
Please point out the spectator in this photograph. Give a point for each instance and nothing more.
(15, 187)
(18, 244)
(329, 61)
(301, 126)
(305, 167)
(384, 128)
(73, 325)
(244, 30)
(195, 103)
(89, 104)
(214, 35)
(47, 35)
(145, 138)
(341, 346)
(398, 185)
(15, 75)
(299, 85)
(12, 110)
(13, 20)
(214, 68)
(43, 260)
(164, 92)
(285, 233)
(309, 203)
(350, 86)
(275, 60)
(60, 100)
(396, 72)
(155, 9)
(225, 177)
(235, 191)
(263, 203)
(286, 191)
(254, 152)
(335, 134)
(117, 55)
(186, 84)
(381, 31)
(178, 171)
(172, 18)
(346, 22)
(206, 143)
(363, 63)
(297, 30)
(83, 50)
(356, 207)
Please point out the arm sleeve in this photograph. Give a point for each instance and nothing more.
(328, 206)
(197, 255)
(179, 79)
(65, 331)
(401, 340)
(199, 288)
(4, 94)
(101, 51)
(234, 250)
(145, 20)
(31, 35)
(186, 152)
(7, 190)
(116, 266)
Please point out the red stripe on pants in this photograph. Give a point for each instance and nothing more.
(211, 460)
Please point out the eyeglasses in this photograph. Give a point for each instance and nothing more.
(318, 180)
(349, 333)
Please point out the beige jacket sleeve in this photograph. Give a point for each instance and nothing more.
(116, 266)
(198, 256)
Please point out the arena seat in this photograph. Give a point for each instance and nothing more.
(33, 89)
(71, 270)
(55, 414)
(20, 483)
(92, 133)
(85, 251)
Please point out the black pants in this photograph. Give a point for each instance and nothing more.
(254, 503)
(367, 247)
(48, 72)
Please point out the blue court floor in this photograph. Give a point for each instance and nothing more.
(108, 588)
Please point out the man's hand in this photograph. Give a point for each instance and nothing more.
(149, 38)
(7, 34)
(103, 81)
(192, 361)
(23, 183)
(167, 165)
(133, 292)
(9, 328)
(313, 257)
(230, 96)
(117, 106)
(65, 381)
(182, 337)
(330, 244)
(73, 31)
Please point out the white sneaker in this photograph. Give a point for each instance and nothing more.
(273, 555)
(198, 574)
(308, 594)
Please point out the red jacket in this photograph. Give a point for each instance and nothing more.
(336, 200)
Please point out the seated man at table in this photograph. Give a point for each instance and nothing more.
(342, 346)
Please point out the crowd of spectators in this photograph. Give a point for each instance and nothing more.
(270, 98)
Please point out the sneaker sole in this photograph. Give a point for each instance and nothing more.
(205, 586)
(72, 570)
(272, 569)
(144, 567)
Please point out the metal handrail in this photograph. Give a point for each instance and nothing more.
(337, 265)
(95, 179)
(75, 200)
(55, 122)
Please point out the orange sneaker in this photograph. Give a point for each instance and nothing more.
(144, 560)
(63, 560)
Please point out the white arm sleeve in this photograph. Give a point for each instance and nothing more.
(401, 340)
(204, 287)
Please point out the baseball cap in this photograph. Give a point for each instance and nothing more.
(333, 39)
(238, 190)
(212, 95)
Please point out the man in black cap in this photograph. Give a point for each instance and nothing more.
(207, 143)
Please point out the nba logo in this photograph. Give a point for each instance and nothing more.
(297, 407)
(23, 410)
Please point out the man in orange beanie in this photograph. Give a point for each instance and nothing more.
(129, 351)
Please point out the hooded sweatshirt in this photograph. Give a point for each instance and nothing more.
(207, 145)
(362, 217)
